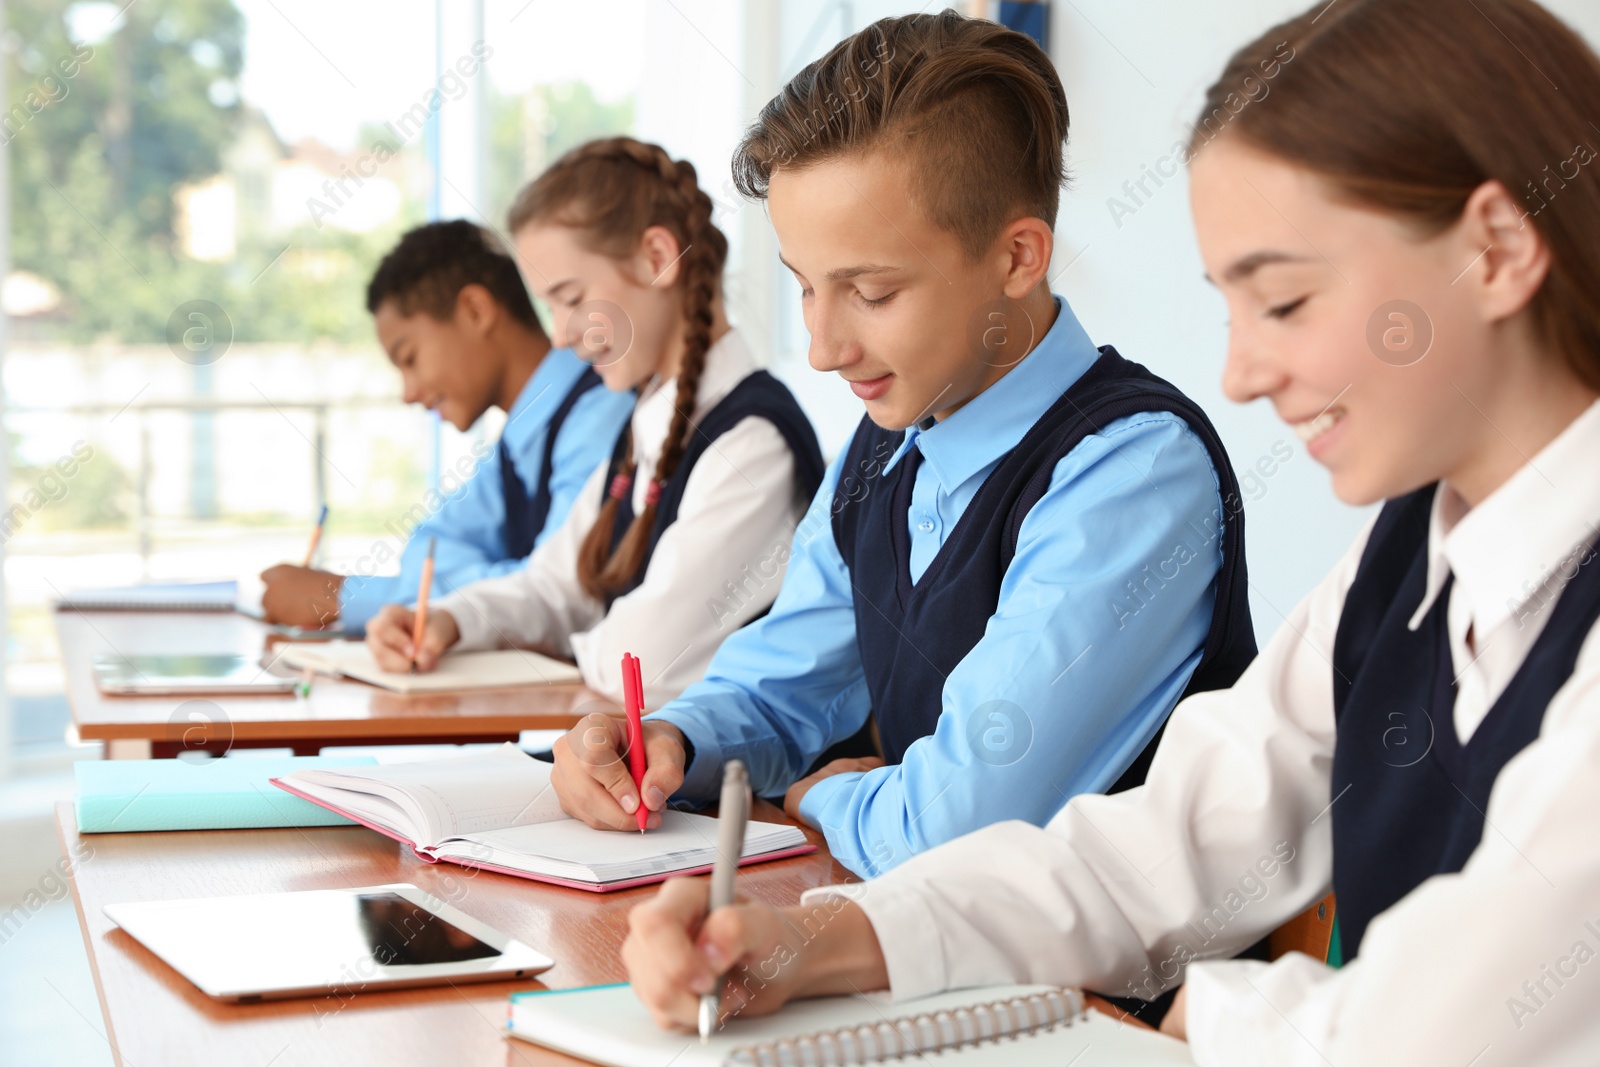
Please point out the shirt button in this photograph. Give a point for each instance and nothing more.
(926, 526)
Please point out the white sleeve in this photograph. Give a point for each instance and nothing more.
(1495, 965)
(1231, 836)
(540, 604)
(715, 568)
(1228, 838)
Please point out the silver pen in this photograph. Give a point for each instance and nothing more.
(732, 815)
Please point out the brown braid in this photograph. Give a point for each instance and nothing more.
(612, 190)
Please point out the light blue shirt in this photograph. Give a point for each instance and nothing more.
(1092, 642)
(470, 522)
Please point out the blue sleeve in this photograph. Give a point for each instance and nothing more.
(469, 526)
(788, 685)
(1102, 618)
(585, 441)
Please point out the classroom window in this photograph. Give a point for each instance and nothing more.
(198, 194)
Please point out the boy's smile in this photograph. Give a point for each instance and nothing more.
(439, 364)
(870, 388)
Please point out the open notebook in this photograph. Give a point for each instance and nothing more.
(502, 669)
(498, 810)
(1018, 1026)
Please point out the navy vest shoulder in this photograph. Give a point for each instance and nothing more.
(759, 395)
(911, 636)
(1408, 797)
(526, 516)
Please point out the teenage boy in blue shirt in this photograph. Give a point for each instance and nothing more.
(454, 317)
(1031, 548)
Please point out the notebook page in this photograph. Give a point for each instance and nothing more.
(502, 669)
(608, 1025)
(448, 797)
(570, 849)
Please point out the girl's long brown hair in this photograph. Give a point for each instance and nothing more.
(611, 191)
(1407, 106)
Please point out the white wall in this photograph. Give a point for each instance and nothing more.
(694, 92)
(1134, 75)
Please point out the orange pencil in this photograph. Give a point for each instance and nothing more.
(421, 619)
(316, 536)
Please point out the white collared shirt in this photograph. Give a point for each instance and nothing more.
(739, 510)
(1498, 964)
(1507, 577)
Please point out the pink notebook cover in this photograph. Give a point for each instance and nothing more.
(569, 883)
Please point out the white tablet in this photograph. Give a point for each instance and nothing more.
(176, 675)
(338, 942)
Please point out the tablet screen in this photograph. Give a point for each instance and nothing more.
(400, 933)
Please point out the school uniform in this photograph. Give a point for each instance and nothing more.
(1422, 736)
(561, 424)
(726, 515)
(1010, 600)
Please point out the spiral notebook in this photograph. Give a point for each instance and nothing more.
(154, 596)
(1019, 1026)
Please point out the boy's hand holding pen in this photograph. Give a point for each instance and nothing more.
(616, 774)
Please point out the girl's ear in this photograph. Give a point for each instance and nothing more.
(659, 256)
(1513, 259)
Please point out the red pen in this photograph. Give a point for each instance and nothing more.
(633, 699)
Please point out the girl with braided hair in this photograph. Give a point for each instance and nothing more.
(682, 536)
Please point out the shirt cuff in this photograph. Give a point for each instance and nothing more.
(907, 932)
(1239, 1011)
(476, 631)
(815, 802)
(360, 598)
(702, 777)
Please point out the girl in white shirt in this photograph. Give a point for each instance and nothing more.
(683, 536)
(1407, 233)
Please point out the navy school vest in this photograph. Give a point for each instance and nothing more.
(1409, 797)
(525, 517)
(759, 395)
(911, 636)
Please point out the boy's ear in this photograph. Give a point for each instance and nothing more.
(477, 311)
(660, 256)
(1026, 245)
(1510, 259)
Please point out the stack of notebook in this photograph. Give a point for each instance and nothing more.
(155, 596)
(215, 794)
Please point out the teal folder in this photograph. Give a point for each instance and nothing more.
(217, 794)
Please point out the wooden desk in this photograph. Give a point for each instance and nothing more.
(153, 1016)
(337, 712)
